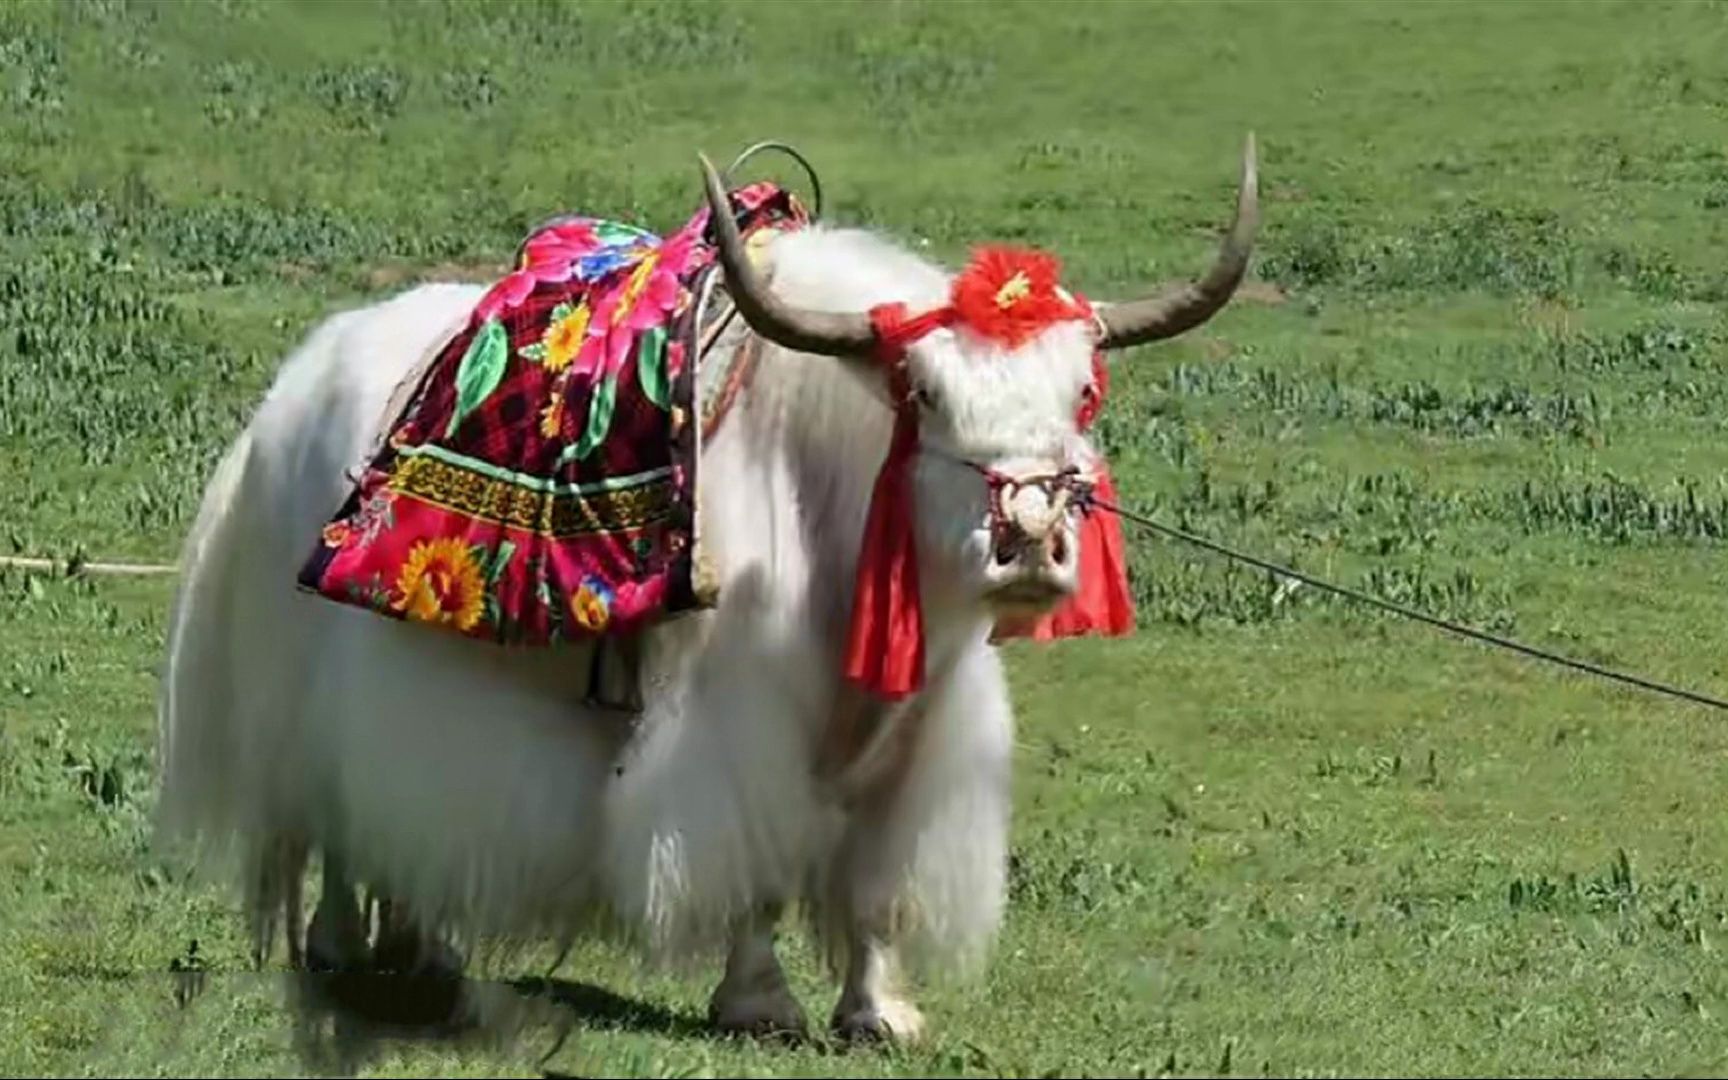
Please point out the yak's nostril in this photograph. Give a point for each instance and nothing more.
(1059, 547)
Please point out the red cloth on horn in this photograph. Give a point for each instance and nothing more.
(885, 643)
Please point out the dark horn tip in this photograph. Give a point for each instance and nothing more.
(1251, 171)
(710, 176)
(1138, 321)
(817, 332)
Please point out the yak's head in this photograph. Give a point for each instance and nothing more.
(1002, 457)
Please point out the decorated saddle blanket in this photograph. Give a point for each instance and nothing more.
(539, 484)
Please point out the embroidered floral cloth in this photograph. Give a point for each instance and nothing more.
(539, 485)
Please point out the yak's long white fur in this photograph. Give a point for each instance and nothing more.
(464, 779)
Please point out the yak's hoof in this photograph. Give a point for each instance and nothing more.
(773, 1015)
(409, 955)
(330, 951)
(897, 1022)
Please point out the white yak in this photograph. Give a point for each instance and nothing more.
(468, 784)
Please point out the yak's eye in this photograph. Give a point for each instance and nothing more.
(925, 397)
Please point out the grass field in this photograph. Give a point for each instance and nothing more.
(1483, 368)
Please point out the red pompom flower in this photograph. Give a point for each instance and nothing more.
(1009, 294)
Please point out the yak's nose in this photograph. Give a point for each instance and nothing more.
(1032, 546)
(1030, 521)
(1031, 551)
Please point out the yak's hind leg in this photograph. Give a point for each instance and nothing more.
(406, 946)
(275, 888)
(336, 940)
(919, 882)
(753, 997)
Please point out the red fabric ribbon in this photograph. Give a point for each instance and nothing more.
(885, 645)
(885, 641)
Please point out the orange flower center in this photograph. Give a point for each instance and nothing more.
(436, 594)
(440, 582)
(564, 339)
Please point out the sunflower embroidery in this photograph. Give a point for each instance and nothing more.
(565, 332)
(440, 582)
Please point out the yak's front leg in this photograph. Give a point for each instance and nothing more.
(921, 874)
(753, 997)
(873, 1004)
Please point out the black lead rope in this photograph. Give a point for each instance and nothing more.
(1408, 613)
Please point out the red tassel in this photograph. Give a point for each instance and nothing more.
(885, 649)
(885, 642)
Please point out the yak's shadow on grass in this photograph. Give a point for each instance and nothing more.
(345, 1020)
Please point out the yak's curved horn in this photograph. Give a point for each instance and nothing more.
(826, 333)
(1140, 321)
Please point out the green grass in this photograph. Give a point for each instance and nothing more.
(1483, 370)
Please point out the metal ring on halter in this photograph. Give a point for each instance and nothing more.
(1068, 488)
(708, 282)
(748, 153)
(809, 170)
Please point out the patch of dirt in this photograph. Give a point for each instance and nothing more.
(1261, 292)
(389, 275)
(1549, 315)
(297, 272)
(1216, 348)
(397, 275)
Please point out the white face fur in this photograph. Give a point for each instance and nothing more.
(1012, 412)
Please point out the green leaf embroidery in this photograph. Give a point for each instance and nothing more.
(377, 594)
(651, 366)
(554, 610)
(481, 371)
(599, 417)
(617, 234)
(500, 559)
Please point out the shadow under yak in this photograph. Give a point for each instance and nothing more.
(346, 1019)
